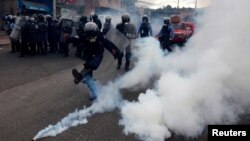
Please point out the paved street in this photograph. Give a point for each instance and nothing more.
(38, 91)
(4, 39)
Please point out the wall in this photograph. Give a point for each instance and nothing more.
(116, 4)
(9, 6)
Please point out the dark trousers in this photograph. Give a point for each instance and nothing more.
(24, 48)
(15, 46)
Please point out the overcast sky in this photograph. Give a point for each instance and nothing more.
(173, 3)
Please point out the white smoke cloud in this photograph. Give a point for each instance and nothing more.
(108, 99)
(147, 67)
(182, 3)
(71, 120)
(204, 83)
(148, 123)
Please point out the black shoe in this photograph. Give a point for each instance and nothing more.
(118, 67)
(126, 68)
(118, 55)
(119, 59)
(92, 99)
(77, 76)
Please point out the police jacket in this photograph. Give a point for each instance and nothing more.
(145, 30)
(166, 32)
(94, 51)
(121, 27)
(98, 23)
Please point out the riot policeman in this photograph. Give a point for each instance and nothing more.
(15, 45)
(106, 25)
(52, 33)
(65, 27)
(20, 30)
(77, 38)
(165, 34)
(24, 32)
(81, 35)
(129, 30)
(43, 29)
(145, 29)
(34, 35)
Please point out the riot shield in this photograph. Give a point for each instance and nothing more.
(130, 30)
(16, 32)
(117, 38)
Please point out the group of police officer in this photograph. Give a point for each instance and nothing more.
(40, 34)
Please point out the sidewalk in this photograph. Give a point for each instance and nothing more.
(4, 38)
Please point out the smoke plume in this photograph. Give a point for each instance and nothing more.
(206, 82)
(108, 100)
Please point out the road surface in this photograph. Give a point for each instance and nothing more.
(38, 91)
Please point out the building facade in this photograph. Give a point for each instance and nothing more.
(32, 6)
(8, 6)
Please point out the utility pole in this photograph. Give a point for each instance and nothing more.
(177, 8)
(54, 9)
(195, 4)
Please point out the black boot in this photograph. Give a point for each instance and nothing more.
(127, 65)
(119, 63)
(78, 77)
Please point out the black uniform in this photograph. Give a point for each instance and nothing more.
(24, 40)
(52, 35)
(42, 43)
(34, 36)
(15, 45)
(128, 54)
(164, 36)
(145, 30)
(97, 21)
(66, 31)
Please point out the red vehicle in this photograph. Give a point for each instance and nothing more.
(190, 26)
(182, 31)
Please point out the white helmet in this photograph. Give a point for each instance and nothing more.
(91, 30)
(90, 26)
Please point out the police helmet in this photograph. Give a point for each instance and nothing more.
(91, 29)
(76, 18)
(14, 17)
(10, 17)
(108, 19)
(83, 19)
(35, 16)
(41, 17)
(166, 20)
(27, 17)
(32, 19)
(48, 17)
(144, 18)
(125, 18)
(62, 18)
